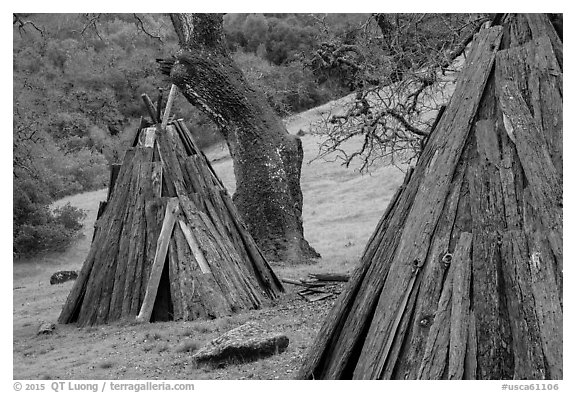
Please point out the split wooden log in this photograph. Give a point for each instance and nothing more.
(314, 297)
(329, 276)
(152, 111)
(302, 283)
(169, 103)
(159, 104)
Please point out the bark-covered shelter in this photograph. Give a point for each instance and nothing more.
(462, 278)
(168, 243)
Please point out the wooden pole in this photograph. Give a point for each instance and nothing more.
(194, 247)
(169, 106)
(159, 260)
(150, 107)
(159, 104)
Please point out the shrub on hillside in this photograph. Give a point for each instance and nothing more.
(69, 217)
(35, 227)
(288, 88)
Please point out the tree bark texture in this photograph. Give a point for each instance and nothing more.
(462, 278)
(169, 235)
(267, 159)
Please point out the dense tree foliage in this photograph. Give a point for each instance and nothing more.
(75, 104)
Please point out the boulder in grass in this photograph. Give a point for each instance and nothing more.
(63, 276)
(46, 328)
(246, 343)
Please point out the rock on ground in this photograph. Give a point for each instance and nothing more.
(245, 343)
(46, 328)
(63, 276)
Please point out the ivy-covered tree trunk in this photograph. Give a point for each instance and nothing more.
(267, 159)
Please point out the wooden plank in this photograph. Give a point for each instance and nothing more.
(544, 181)
(433, 272)
(470, 361)
(460, 314)
(436, 350)
(330, 276)
(488, 222)
(408, 298)
(194, 247)
(114, 171)
(143, 123)
(159, 260)
(541, 27)
(172, 175)
(168, 108)
(149, 137)
(156, 179)
(174, 276)
(318, 297)
(159, 103)
(527, 348)
(547, 295)
(150, 107)
(155, 209)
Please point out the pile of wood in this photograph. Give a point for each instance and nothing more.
(462, 278)
(168, 243)
(318, 286)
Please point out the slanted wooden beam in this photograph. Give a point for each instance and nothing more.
(171, 96)
(150, 107)
(159, 259)
(194, 247)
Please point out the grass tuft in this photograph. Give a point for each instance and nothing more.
(188, 346)
(106, 364)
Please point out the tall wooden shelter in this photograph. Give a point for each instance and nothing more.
(462, 278)
(169, 244)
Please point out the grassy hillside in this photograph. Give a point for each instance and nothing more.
(341, 209)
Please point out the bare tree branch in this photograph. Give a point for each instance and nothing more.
(92, 23)
(21, 24)
(393, 113)
(140, 25)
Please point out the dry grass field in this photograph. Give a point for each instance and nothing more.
(341, 209)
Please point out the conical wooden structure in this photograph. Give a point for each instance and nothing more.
(462, 278)
(169, 244)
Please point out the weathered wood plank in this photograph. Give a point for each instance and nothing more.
(436, 349)
(460, 314)
(172, 175)
(527, 347)
(470, 361)
(433, 272)
(174, 274)
(198, 255)
(544, 183)
(169, 104)
(159, 261)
